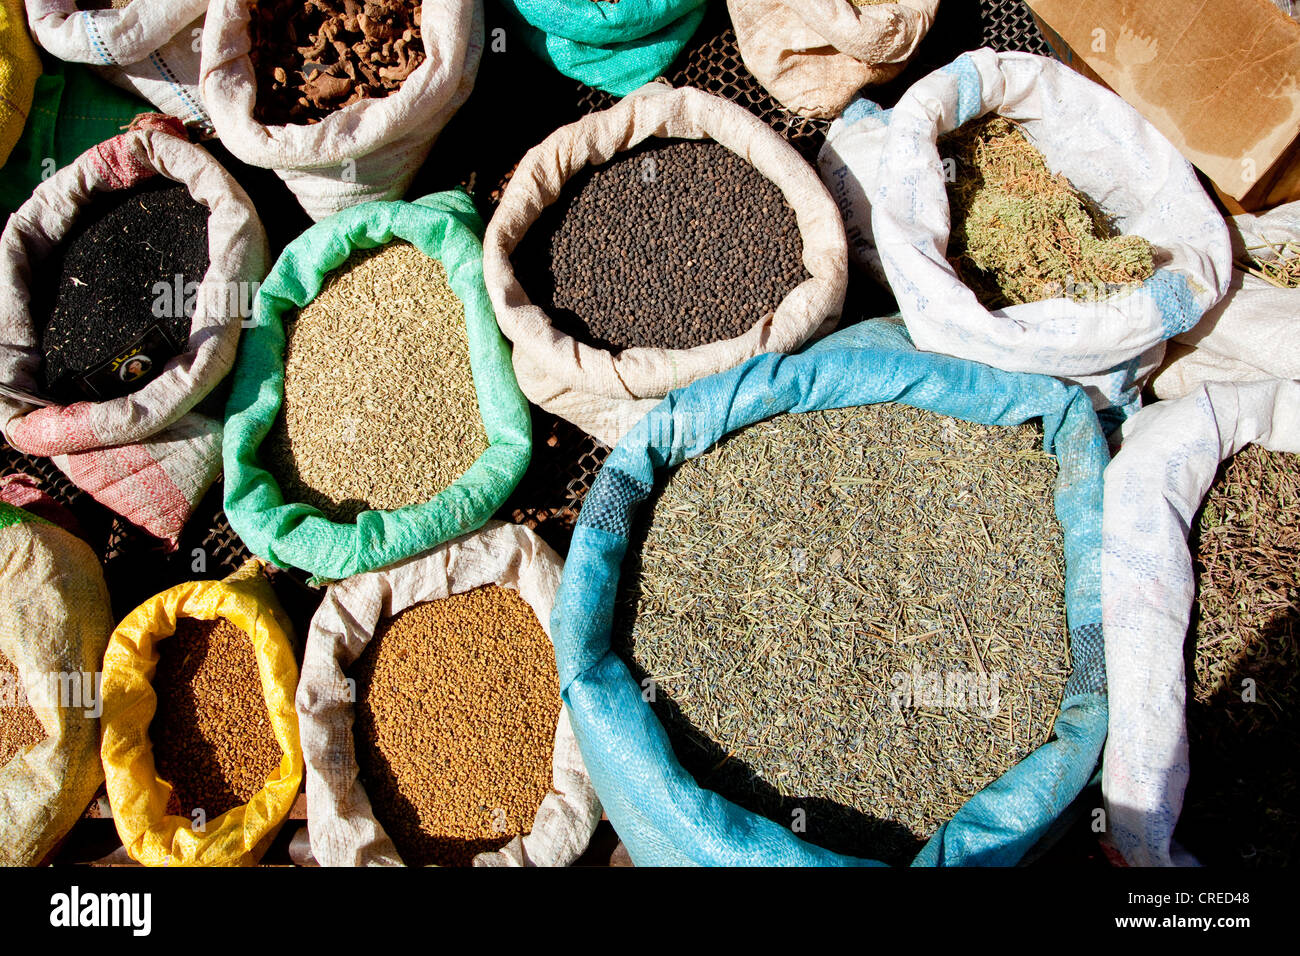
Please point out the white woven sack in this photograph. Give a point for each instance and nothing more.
(370, 150)
(149, 47)
(884, 171)
(606, 394)
(814, 55)
(1252, 334)
(1154, 486)
(344, 831)
(100, 444)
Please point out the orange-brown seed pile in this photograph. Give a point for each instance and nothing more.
(211, 734)
(457, 702)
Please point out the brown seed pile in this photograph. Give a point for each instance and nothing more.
(1021, 233)
(672, 244)
(20, 728)
(1242, 805)
(312, 57)
(379, 406)
(854, 619)
(457, 702)
(211, 734)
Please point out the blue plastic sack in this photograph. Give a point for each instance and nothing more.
(663, 816)
(616, 47)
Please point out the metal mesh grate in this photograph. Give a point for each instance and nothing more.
(1009, 26)
(711, 62)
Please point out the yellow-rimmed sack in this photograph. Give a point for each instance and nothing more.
(54, 623)
(20, 65)
(138, 797)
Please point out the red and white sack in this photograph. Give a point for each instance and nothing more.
(814, 56)
(146, 455)
(150, 47)
(344, 831)
(1253, 334)
(367, 151)
(1167, 462)
(606, 394)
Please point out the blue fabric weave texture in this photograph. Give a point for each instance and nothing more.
(663, 816)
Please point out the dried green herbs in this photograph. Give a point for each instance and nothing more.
(853, 619)
(1021, 233)
(1241, 806)
(379, 407)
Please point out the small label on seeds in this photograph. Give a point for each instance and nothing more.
(131, 368)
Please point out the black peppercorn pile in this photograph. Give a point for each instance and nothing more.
(672, 245)
(99, 290)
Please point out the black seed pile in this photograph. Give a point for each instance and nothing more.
(673, 244)
(96, 293)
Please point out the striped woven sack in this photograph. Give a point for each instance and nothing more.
(147, 456)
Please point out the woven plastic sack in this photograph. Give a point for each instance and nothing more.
(662, 815)
(444, 226)
(71, 111)
(615, 47)
(1170, 454)
(370, 150)
(149, 47)
(898, 221)
(1250, 335)
(20, 65)
(344, 831)
(55, 620)
(147, 455)
(814, 56)
(605, 394)
(138, 797)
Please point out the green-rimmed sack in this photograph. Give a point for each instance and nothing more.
(615, 47)
(55, 622)
(663, 816)
(445, 227)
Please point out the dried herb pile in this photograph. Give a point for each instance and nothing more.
(20, 728)
(1243, 799)
(457, 704)
(1278, 264)
(312, 57)
(211, 733)
(379, 405)
(1021, 233)
(672, 244)
(798, 590)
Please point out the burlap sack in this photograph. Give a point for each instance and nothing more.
(369, 150)
(605, 394)
(1251, 335)
(149, 47)
(344, 831)
(144, 455)
(813, 56)
(1154, 486)
(55, 621)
